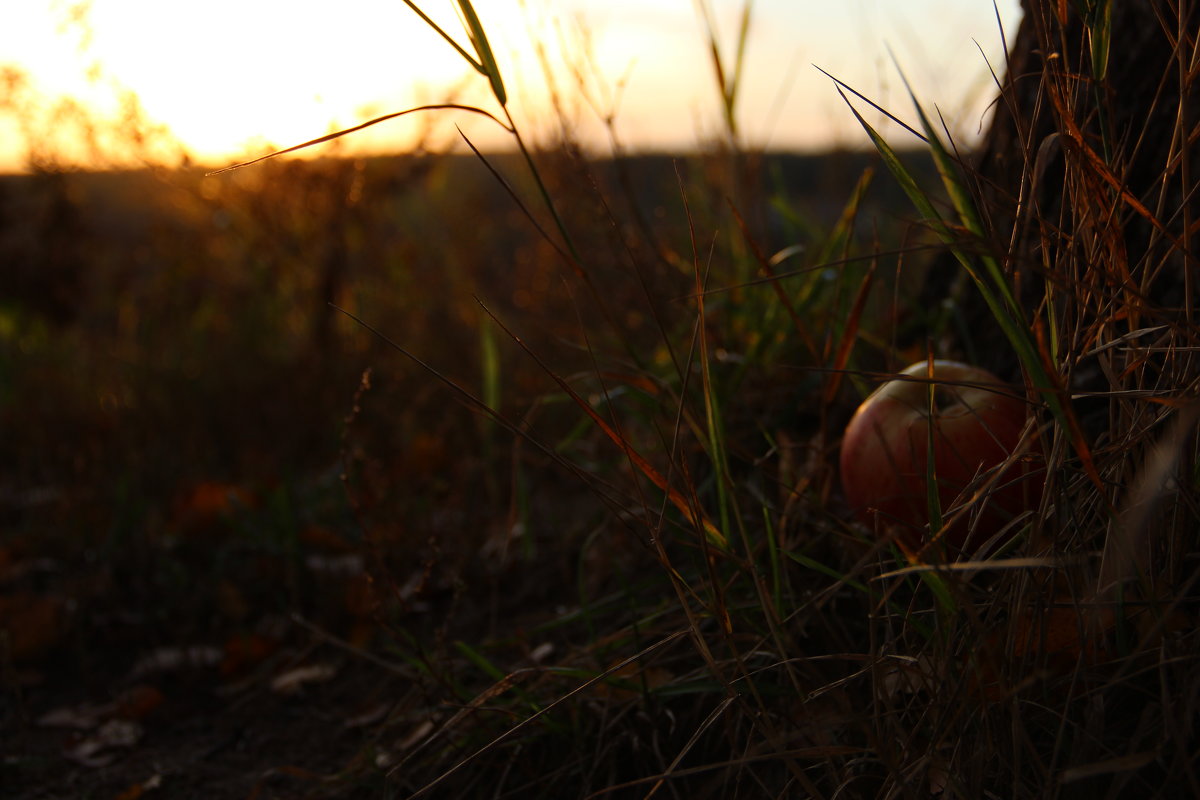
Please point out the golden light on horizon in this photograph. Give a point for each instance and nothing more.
(231, 78)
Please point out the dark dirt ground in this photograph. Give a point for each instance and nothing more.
(207, 740)
(171, 672)
(288, 711)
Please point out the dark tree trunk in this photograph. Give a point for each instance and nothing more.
(1086, 179)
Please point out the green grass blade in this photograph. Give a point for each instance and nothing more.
(481, 661)
(1101, 38)
(830, 572)
(937, 584)
(487, 59)
(739, 60)
(449, 39)
(490, 365)
(504, 680)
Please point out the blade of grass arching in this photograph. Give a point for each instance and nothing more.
(337, 134)
(487, 60)
(964, 205)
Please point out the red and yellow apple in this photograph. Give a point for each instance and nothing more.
(976, 426)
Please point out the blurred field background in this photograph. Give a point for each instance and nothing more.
(397, 469)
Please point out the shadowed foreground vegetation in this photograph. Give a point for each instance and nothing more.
(389, 478)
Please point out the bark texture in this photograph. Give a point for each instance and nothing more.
(1087, 178)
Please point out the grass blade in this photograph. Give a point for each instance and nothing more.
(449, 39)
(487, 60)
(331, 136)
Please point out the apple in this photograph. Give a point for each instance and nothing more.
(977, 423)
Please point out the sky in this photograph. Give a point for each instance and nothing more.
(231, 78)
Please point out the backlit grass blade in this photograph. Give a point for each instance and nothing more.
(728, 80)
(739, 60)
(329, 137)
(963, 201)
(487, 60)
(449, 39)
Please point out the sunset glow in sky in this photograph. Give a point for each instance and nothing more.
(229, 78)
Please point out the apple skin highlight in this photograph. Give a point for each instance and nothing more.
(886, 448)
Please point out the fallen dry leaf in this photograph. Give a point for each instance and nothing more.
(131, 705)
(106, 745)
(172, 659)
(82, 717)
(294, 680)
